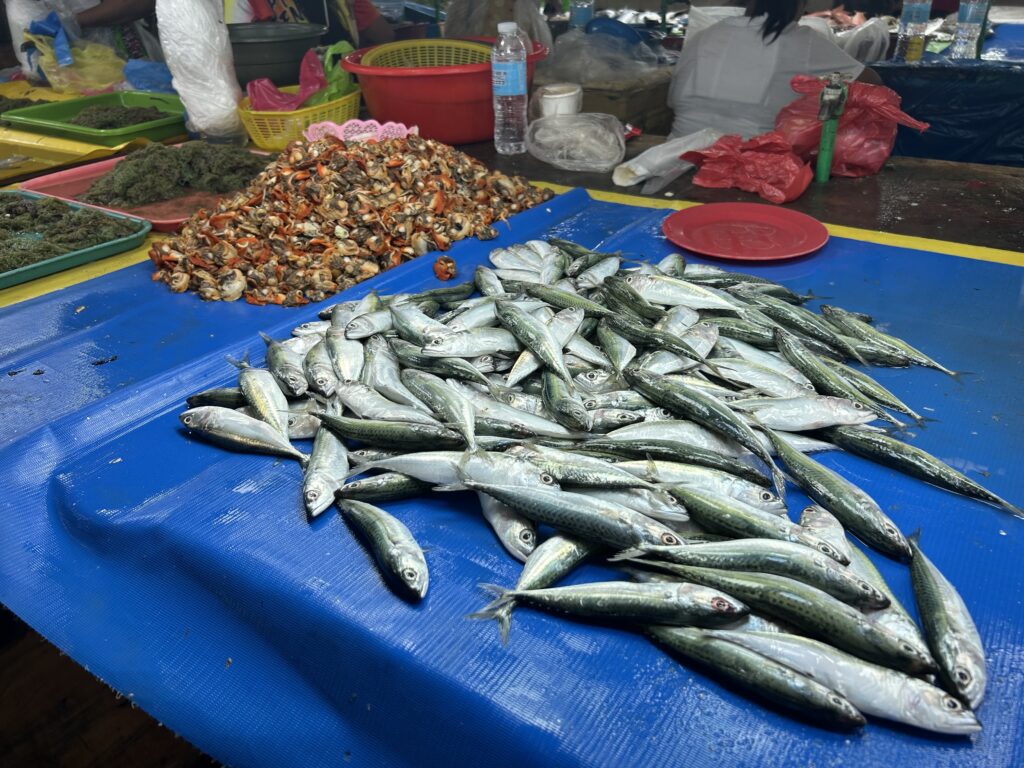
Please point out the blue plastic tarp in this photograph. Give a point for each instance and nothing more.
(187, 578)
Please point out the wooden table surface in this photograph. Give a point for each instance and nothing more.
(54, 713)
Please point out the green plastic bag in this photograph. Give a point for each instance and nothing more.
(339, 82)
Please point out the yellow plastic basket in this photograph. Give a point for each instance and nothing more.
(427, 53)
(274, 130)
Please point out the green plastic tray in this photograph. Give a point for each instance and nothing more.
(54, 118)
(74, 258)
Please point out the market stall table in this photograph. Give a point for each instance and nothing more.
(189, 580)
(975, 108)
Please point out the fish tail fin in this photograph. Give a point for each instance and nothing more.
(499, 609)
(628, 554)
(1013, 509)
(957, 376)
(239, 364)
(915, 537)
(303, 460)
(811, 296)
(266, 339)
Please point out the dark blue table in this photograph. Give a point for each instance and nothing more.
(975, 108)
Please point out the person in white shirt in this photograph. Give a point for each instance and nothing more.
(734, 76)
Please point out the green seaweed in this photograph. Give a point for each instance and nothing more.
(36, 230)
(158, 172)
(105, 118)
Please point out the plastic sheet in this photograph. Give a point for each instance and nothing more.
(765, 165)
(581, 58)
(975, 110)
(866, 132)
(187, 577)
(264, 96)
(480, 18)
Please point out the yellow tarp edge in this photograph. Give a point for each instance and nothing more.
(949, 248)
(85, 272)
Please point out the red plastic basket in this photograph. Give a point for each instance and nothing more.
(451, 103)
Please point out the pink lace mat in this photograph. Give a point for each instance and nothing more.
(360, 130)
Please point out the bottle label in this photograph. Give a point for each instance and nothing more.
(508, 78)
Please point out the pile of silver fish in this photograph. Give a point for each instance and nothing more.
(643, 414)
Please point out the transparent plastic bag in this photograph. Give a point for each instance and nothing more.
(198, 52)
(587, 142)
(480, 18)
(582, 58)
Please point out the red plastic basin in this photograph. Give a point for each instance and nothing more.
(449, 104)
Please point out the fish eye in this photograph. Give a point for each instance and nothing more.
(669, 539)
(865, 587)
(962, 675)
(547, 479)
(705, 324)
(409, 574)
(720, 604)
(908, 648)
(188, 420)
(891, 531)
(590, 404)
(592, 375)
(951, 704)
(631, 279)
(510, 398)
(436, 341)
(858, 406)
(836, 699)
(825, 548)
(526, 535)
(312, 494)
(767, 496)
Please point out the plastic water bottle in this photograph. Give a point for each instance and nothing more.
(910, 42)
(970, 22)
(508, 79)
(580, 13)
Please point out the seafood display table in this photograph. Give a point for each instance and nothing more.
(189, 580)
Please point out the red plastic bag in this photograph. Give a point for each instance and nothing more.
(264, 96)
(764, 164)
(866, 132)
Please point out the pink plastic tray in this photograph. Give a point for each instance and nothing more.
(165, 216)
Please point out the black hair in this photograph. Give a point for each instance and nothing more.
(780, 14)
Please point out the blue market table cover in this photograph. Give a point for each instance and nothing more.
(188, 579)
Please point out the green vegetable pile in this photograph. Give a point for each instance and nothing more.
(36, 230)
(158, 172)
(116, 117)
(8, 104)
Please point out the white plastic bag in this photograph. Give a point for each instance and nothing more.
(588, 142)
(198, 53)
(20, 14)
(663, 160)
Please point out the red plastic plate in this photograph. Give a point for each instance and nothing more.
(745, 231)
